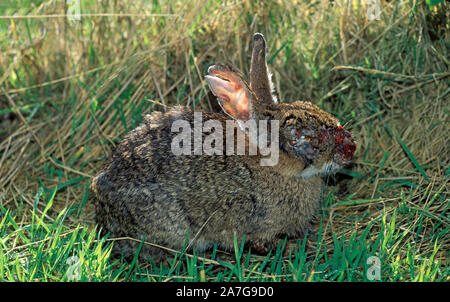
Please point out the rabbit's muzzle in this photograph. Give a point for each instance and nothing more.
(345, 145)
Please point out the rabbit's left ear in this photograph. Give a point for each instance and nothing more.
(233, 94)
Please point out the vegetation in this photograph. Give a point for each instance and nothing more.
(70, 89)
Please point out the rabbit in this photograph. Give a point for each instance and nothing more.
(146, 192)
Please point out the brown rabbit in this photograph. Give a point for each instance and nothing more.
(150, 192)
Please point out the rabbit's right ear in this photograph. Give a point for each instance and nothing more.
(260, 77)
(233, 94)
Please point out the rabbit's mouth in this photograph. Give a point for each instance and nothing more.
(340, 160)
(326, 169)
(345, 146)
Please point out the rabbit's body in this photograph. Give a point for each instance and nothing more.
(147, 192)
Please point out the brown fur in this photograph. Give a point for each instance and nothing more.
(144, 191)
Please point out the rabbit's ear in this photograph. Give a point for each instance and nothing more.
(233, 94)
(260, 77)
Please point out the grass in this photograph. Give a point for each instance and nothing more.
(53, 251)
(70, 90)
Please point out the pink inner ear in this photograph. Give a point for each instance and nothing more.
(231, 92)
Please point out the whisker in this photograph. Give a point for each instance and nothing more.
(348, 122)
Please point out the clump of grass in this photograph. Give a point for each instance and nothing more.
(70, 90)
(46, 249)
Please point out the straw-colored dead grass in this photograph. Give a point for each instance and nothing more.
(75, 88)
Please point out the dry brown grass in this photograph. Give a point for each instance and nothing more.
(75, 88)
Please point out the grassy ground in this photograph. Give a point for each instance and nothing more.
(70, 90)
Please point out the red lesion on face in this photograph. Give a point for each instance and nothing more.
(345, 145)
(349, 150)
(339, 136)
(324, 136)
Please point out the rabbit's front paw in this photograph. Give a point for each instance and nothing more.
(264, 247)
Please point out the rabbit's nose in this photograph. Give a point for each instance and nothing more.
(347, 147)
(345, 144)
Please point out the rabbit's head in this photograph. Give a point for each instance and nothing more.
(311, 140)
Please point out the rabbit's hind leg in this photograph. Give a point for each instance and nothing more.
(137, 215)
